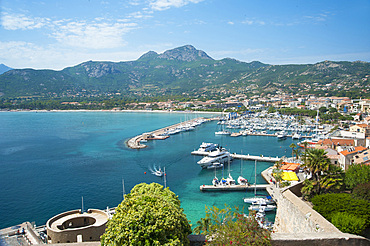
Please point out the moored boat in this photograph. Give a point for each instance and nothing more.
(219, 155)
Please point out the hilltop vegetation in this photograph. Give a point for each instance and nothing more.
(189, 72)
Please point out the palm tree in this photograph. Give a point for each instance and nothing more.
(333, 180)
(309, 189)
(292, 145)
(316, 162)
(305, 144)
(279, 163)
(202, 226)
(297, 153)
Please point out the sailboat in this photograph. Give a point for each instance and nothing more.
(229, 179)
(257, 199)
(215, 180)
(223, 131)
(241, 179)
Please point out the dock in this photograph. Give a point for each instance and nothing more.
(244, 157)
(135, 142)
(233, 187)
(256, 158)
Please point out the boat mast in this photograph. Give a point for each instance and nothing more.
(123, 189)
(165, 183)
(82, 209)
(255, 177)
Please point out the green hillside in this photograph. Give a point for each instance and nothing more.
(182, 70)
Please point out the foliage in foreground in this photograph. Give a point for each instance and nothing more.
(328, 205)
(357, 174)
(227, 227)
(349, 223)
(149, 215)
(362, 191)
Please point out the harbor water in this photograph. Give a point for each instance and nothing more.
(49, 160)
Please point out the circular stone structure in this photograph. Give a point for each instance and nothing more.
(74, 226)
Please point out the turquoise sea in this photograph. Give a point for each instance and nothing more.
(49, 160)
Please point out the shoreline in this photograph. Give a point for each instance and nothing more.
(111, 111)
(135, 142)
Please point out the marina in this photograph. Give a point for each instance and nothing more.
(92, 154)
(233, 187)
(244, 157)
(163, 133)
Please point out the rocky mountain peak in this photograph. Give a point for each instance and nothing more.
(185, 53)
(150, 54)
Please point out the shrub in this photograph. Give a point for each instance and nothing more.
(227, 227)
(349, 223)
(329, 204)
(149, 215)
(357, 174)
(362, 191)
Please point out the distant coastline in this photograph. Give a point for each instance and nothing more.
(115, 111)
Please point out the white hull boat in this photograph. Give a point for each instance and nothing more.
(265, 208)
(217, 156)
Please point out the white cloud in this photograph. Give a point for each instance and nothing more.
(166, 4)
(25, 55)
(93, 35)
(20, 21)
(253, 22)
(141, 14)
(230, 23)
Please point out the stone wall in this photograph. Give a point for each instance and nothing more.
(296, 223)
(296, 216)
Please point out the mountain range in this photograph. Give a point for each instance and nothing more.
(177, 71)
(4, 68)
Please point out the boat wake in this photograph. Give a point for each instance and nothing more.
(156, 171)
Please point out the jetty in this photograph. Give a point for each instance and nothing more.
(243, 157)
(233, 187)
(137, 141)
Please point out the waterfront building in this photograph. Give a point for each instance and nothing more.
(347, 156)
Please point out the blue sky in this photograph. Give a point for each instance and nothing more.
(52, 34)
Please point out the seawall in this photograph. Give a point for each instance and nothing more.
(296, 223)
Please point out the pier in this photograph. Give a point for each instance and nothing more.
(135, 142)
(244, 157)
(233, 187)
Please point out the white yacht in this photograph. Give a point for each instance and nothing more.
(296, 135)
(264, 207)
(223, 132)
(219, 155)
(259, 200)
(281, 135)
(206, 147)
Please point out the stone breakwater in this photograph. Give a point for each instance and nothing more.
(136, 142)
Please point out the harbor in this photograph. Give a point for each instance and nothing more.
(99, 151)
(243, 157)
(163, 133)
(233, 187)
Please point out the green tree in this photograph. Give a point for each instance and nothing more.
(309, 189)
(202, 226)
(330, 204)
(292, 145)
(316, 161)
(332, 180)
(149, 215)
(348, 223)
(362, 191)
(229, 227)
(357, 174)
(297, 153)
